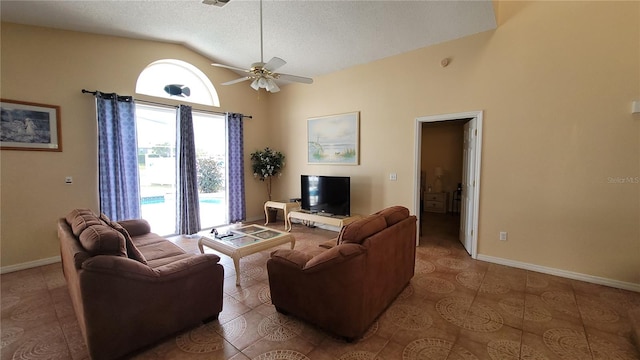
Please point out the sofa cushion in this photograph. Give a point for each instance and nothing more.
(132, 250)
(394, 214)
(103, 240)
(146, 239)
(329, 243)
(167, 260)
(80, 219)
(361, 229)
(162, 249)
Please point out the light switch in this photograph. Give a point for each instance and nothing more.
(393, 176)
(68, 180)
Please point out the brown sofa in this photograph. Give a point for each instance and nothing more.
(345, 288)
(130, 287)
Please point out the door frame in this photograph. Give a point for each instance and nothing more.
(477, 117)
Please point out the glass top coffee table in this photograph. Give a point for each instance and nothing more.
(238, 241)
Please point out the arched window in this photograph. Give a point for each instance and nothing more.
(175, 79)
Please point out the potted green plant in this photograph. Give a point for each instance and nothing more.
(267, 164)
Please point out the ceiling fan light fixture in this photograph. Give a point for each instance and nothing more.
(262, 83)
(272, 86)
(254, 85)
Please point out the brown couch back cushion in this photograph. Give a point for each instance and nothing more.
(361, 229)
(394, 214)
(80, 219)
(103, 240)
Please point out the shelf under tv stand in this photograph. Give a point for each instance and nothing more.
(332, 220)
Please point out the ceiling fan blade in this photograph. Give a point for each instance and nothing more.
(230, 67)
(300, 79)
(274, 64)
(237, 80)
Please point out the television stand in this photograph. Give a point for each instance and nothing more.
(332, 220)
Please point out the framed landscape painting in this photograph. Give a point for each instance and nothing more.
(334, 139)
(29, 126)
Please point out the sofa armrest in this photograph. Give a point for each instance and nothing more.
(341, 267)
(292, 258)
(334, 256)
(136, 227)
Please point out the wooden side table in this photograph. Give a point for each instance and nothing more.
(286, 207)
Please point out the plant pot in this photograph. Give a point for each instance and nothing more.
(272, 215)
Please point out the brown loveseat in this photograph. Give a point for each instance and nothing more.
(130, 287)
(344, 289)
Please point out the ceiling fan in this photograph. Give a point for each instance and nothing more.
(263, 74)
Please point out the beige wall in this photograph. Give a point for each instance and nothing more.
(555, 82)
(51, 67)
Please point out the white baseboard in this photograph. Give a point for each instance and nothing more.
(29, 265)
(562, 273)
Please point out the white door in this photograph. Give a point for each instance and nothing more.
(468, 184)
(471, 174)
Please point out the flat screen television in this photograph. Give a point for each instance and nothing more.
(330, 195)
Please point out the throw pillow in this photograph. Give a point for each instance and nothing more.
(132, 250)
(103, 240)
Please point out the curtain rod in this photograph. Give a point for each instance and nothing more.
(85, 91)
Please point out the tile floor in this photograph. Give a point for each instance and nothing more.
(454, 308)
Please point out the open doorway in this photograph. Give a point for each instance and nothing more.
(447, 172)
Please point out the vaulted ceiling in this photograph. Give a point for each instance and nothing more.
(315, 37)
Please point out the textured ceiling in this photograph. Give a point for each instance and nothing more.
(314, 37)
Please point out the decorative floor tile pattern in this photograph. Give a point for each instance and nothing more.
(455, 308)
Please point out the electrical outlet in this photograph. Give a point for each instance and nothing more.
(68, 180)
(503, 235)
